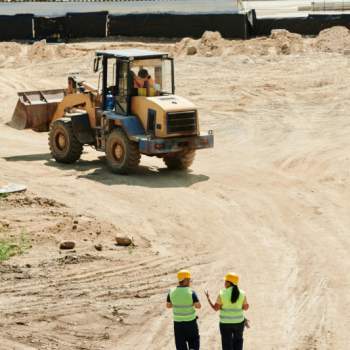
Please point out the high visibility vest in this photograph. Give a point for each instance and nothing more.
(182, 302)
(231, 313)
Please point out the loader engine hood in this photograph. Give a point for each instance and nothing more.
(172, 103)
(166, 116)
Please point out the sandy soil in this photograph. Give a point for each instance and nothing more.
(270, 201)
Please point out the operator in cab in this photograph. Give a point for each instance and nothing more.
(144, 83)
(184, 302)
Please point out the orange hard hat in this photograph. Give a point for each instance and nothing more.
(183, 274)
(232, 277)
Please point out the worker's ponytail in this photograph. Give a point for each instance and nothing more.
(235, 293)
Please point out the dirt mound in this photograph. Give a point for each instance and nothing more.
(210, 44)
(41, 50)
(13, 54)
(285, 42)
(280, 42)
(335, 39)
(9, 53)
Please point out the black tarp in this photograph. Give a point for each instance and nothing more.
(171, 25)
(320, 22)
(17, 27)
(50, 28)
(310, 25)
(86, 25)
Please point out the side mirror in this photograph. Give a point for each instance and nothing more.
(97, 64)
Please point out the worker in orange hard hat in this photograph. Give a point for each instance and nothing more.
(184, 302)
(231, 302)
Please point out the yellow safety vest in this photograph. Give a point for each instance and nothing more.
(183, 309)
(231, 313)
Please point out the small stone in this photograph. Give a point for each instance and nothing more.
(191, 50)
(123, 241)
(98, 247)
(74, 227)
(75, 222)
(67, 245)
(5, 223)
(28, 266)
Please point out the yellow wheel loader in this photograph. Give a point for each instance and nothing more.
(135, 112)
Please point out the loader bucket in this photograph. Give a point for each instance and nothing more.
(35, 109)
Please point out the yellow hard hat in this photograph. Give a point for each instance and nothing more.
(183, 274)
(232, 277)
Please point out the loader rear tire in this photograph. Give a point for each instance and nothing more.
(123, 155)
(64, 146)
(180, 161)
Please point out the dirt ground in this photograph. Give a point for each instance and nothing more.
(270, 201)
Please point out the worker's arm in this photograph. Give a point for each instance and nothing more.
(216, 306)
(195, 300)
(197, 305)
(169, 305)
(245, 306)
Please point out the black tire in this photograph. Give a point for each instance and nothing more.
(123, 155)
(180, 161)
(64, 146)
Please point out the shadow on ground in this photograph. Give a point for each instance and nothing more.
(28, 157)
(97, 170)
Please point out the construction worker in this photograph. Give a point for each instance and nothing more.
(183, 300)
(145, 78)
(231, 302)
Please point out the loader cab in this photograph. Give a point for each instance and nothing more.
(121, 81)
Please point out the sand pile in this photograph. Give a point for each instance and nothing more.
(336, 39)
(13, 54)
(280, 42)
(285, 42)
(9, 52)
(210, 44)
(41, 50)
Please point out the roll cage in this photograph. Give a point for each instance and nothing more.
(123, 89)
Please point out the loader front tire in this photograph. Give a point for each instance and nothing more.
(123, 155)
(179, 161)
(64, 146)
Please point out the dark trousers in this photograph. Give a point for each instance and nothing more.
(186, 335)
(232, 336)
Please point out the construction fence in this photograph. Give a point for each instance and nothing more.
(167, 25)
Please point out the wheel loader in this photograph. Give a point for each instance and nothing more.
(120, 117)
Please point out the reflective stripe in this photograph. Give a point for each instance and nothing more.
(231, 310)
(184, 313)
(182, 306)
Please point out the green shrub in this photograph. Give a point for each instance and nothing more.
(9, 248)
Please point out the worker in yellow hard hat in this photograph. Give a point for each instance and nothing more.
(184, 302)
(231, 302)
